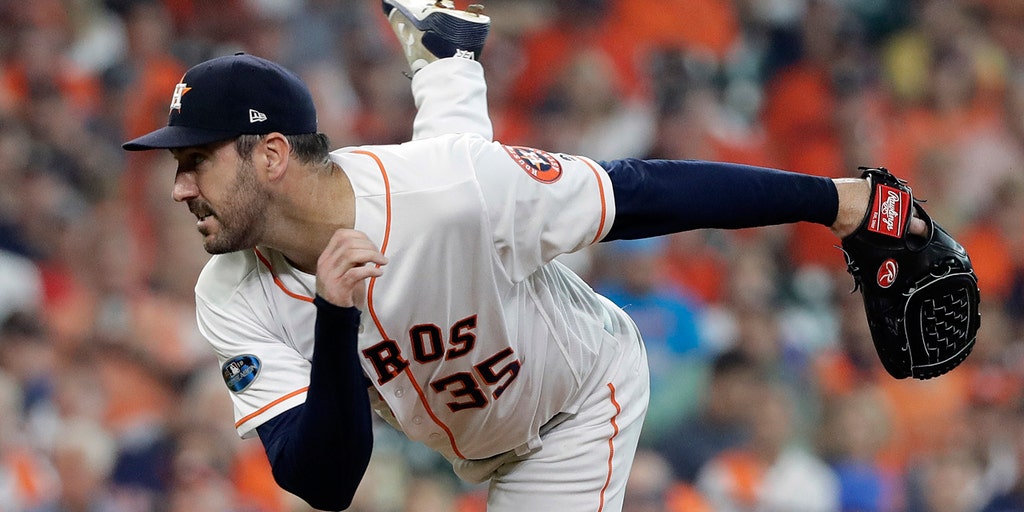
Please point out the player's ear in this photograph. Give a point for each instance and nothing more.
(276, 153)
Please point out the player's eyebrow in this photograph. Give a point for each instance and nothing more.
(207, 149)
(179, 152)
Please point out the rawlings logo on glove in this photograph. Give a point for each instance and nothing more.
(890, 210)
(920, 294)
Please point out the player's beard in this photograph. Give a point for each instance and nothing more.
(242, 216)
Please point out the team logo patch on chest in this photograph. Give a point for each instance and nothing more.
(540, 165)
(239, 372)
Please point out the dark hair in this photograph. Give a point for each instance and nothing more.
(308, 148)
(732, 360)
(22, 324)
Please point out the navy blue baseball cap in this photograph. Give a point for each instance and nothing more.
(225, 97)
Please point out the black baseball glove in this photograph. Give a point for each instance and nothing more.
(920, 294)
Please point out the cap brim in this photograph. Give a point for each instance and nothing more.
(170, 137)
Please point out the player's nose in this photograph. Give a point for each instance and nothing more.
(185, 187)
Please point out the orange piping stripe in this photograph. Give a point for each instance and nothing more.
(604, 206)
(278, 281)
(611, 445)
(268, 406)
(384, 242)
(373, 312)
(430, 412)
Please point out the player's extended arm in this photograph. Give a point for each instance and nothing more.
(319, 450)
(658, 197)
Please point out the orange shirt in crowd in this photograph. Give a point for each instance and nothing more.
(253, 480)
(920, 411)
(992, 259)
(699, 25)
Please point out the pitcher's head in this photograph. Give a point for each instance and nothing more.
(222, 112)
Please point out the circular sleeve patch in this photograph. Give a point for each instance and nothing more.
(540, 165)
(239, 372)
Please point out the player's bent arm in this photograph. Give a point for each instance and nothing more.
(319, 450)
(659, 197)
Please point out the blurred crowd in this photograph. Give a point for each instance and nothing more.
(767, 394)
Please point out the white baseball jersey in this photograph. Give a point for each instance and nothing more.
(473, 336)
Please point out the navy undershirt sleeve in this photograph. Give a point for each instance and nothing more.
(319, 450)
(659, 197)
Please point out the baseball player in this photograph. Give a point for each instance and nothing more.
(420, 279)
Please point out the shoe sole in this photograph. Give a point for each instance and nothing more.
(431, 16)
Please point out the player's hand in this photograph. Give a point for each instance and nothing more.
(854, 194)
(343, 267)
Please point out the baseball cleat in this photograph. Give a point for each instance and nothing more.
(431, 30)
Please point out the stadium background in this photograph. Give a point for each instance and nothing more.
(766, 392)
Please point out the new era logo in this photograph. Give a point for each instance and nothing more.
(255, 116)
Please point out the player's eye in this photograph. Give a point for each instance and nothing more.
(190, 159)
(195, 161)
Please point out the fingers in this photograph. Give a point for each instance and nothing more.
(352, 247)
(343, 267)
(918, 227)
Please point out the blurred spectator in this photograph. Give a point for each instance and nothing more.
(27, 478)
(711, 26)
(1012, 498)
(852, 364)
(568, 29)
(666, 316)
(994, 239)
(651, 488)
(754, 311)
(949, 79)
(239, 468)
(854, 431)
(986, 432)
(720, 422)
(948, 482)
(15, 155)
(582, 112)
(201, 479)
(429, 493)
(83, 456)
(27, 356)
(21, 285)
(38, 60)
(138, 396)
(694, 261)
(648, 484)
(770, 472)
(923, 414)
(920, 412)
(800, 97)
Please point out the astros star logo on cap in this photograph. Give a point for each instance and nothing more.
(179, 91)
